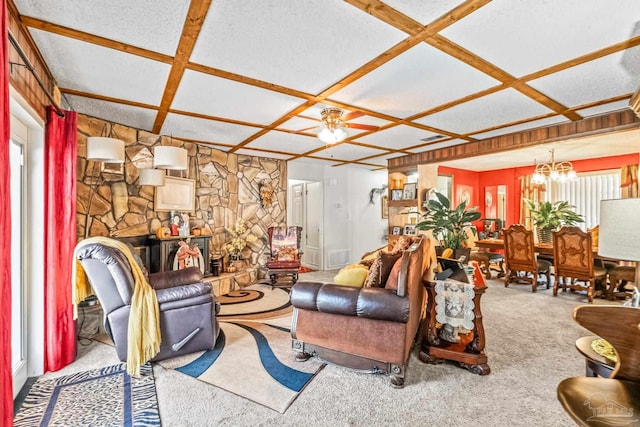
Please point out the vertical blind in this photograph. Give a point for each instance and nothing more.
(585, 193)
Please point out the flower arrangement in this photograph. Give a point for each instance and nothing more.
(239, 239)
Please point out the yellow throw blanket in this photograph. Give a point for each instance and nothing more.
(143, 337)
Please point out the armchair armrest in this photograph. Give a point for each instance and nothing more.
(170, 279)
(371, 303)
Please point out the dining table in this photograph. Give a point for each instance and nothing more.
(540, 248)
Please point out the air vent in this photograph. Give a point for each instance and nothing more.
(432, 138)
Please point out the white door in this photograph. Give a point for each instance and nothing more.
(18, 310)
(297, 211)
(312, 257)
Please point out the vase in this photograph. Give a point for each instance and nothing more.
(545, 235)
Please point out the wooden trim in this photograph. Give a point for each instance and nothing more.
(39, 24)
(192, 26)
(74, 92)
(612, 122)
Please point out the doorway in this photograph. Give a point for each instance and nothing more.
(306, 211)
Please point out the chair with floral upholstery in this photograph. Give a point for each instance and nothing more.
(284, 244)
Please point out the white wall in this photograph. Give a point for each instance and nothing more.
(350, 222)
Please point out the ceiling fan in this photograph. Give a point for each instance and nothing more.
(333, 122)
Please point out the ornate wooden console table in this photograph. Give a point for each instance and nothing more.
(468, 353)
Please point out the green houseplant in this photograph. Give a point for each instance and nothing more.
(549, 216)
(449, 224)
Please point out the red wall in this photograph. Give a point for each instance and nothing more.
(510, 177)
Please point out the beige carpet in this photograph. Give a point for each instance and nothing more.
(530, 346)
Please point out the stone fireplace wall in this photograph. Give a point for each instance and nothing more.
(227, 189)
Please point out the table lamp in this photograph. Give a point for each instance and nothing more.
(619, 235)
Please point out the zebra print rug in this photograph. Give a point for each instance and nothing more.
(100, 397)
(252, 356)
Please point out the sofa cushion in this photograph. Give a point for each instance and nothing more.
(380, 269)
(392, 280)
(351, 276)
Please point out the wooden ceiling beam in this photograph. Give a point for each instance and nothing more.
(193, 24)
(74, 92)
(616, 121)
(60, 30)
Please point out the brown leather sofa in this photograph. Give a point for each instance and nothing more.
(371, 329)
(186, 303)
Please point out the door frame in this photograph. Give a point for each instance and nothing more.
(33, 223)
(290, 184)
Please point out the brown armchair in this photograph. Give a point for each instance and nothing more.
(373, 328)
(615, 400)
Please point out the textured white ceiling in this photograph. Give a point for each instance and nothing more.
(524, 36)
(307, 47)
(90, 68)
(506, 106)
(415, 81)
(140, 118)
(150, 24)
(206, 130)
(258, 62)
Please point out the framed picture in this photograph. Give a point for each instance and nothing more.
(177, 194)
(396, 194)
(384, 201)
(409, 230)
(409, 191)
(396, 230)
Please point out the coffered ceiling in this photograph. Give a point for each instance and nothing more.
(253, 76)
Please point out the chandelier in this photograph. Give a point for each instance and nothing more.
(332, 127)
(561, 171)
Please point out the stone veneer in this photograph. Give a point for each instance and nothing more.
(227, 189)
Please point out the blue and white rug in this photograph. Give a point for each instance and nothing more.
(100, 397)
(253, 356)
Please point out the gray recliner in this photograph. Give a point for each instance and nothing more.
(186, 304)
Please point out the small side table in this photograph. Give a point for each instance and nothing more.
(595, 364)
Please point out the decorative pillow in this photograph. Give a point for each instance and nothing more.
(380, 269)
(351, 277)
(356, 266)
(392, 280)
(402, 244)
(367, 260)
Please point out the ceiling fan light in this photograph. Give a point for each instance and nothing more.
(340, 134)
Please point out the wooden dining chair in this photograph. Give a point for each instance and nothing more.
(573, 262)
(522, 264)
(613, 401)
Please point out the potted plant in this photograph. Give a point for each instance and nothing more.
(550, 216)
(449, 225)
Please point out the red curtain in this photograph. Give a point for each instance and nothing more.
(60, 238)
(6, 375)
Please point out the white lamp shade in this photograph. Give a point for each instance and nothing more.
(169, 157)
(619, 231)
(153, 177)
(106, 150)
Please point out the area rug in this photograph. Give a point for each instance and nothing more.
(252, 357)
(100, 397)
(304, 269)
